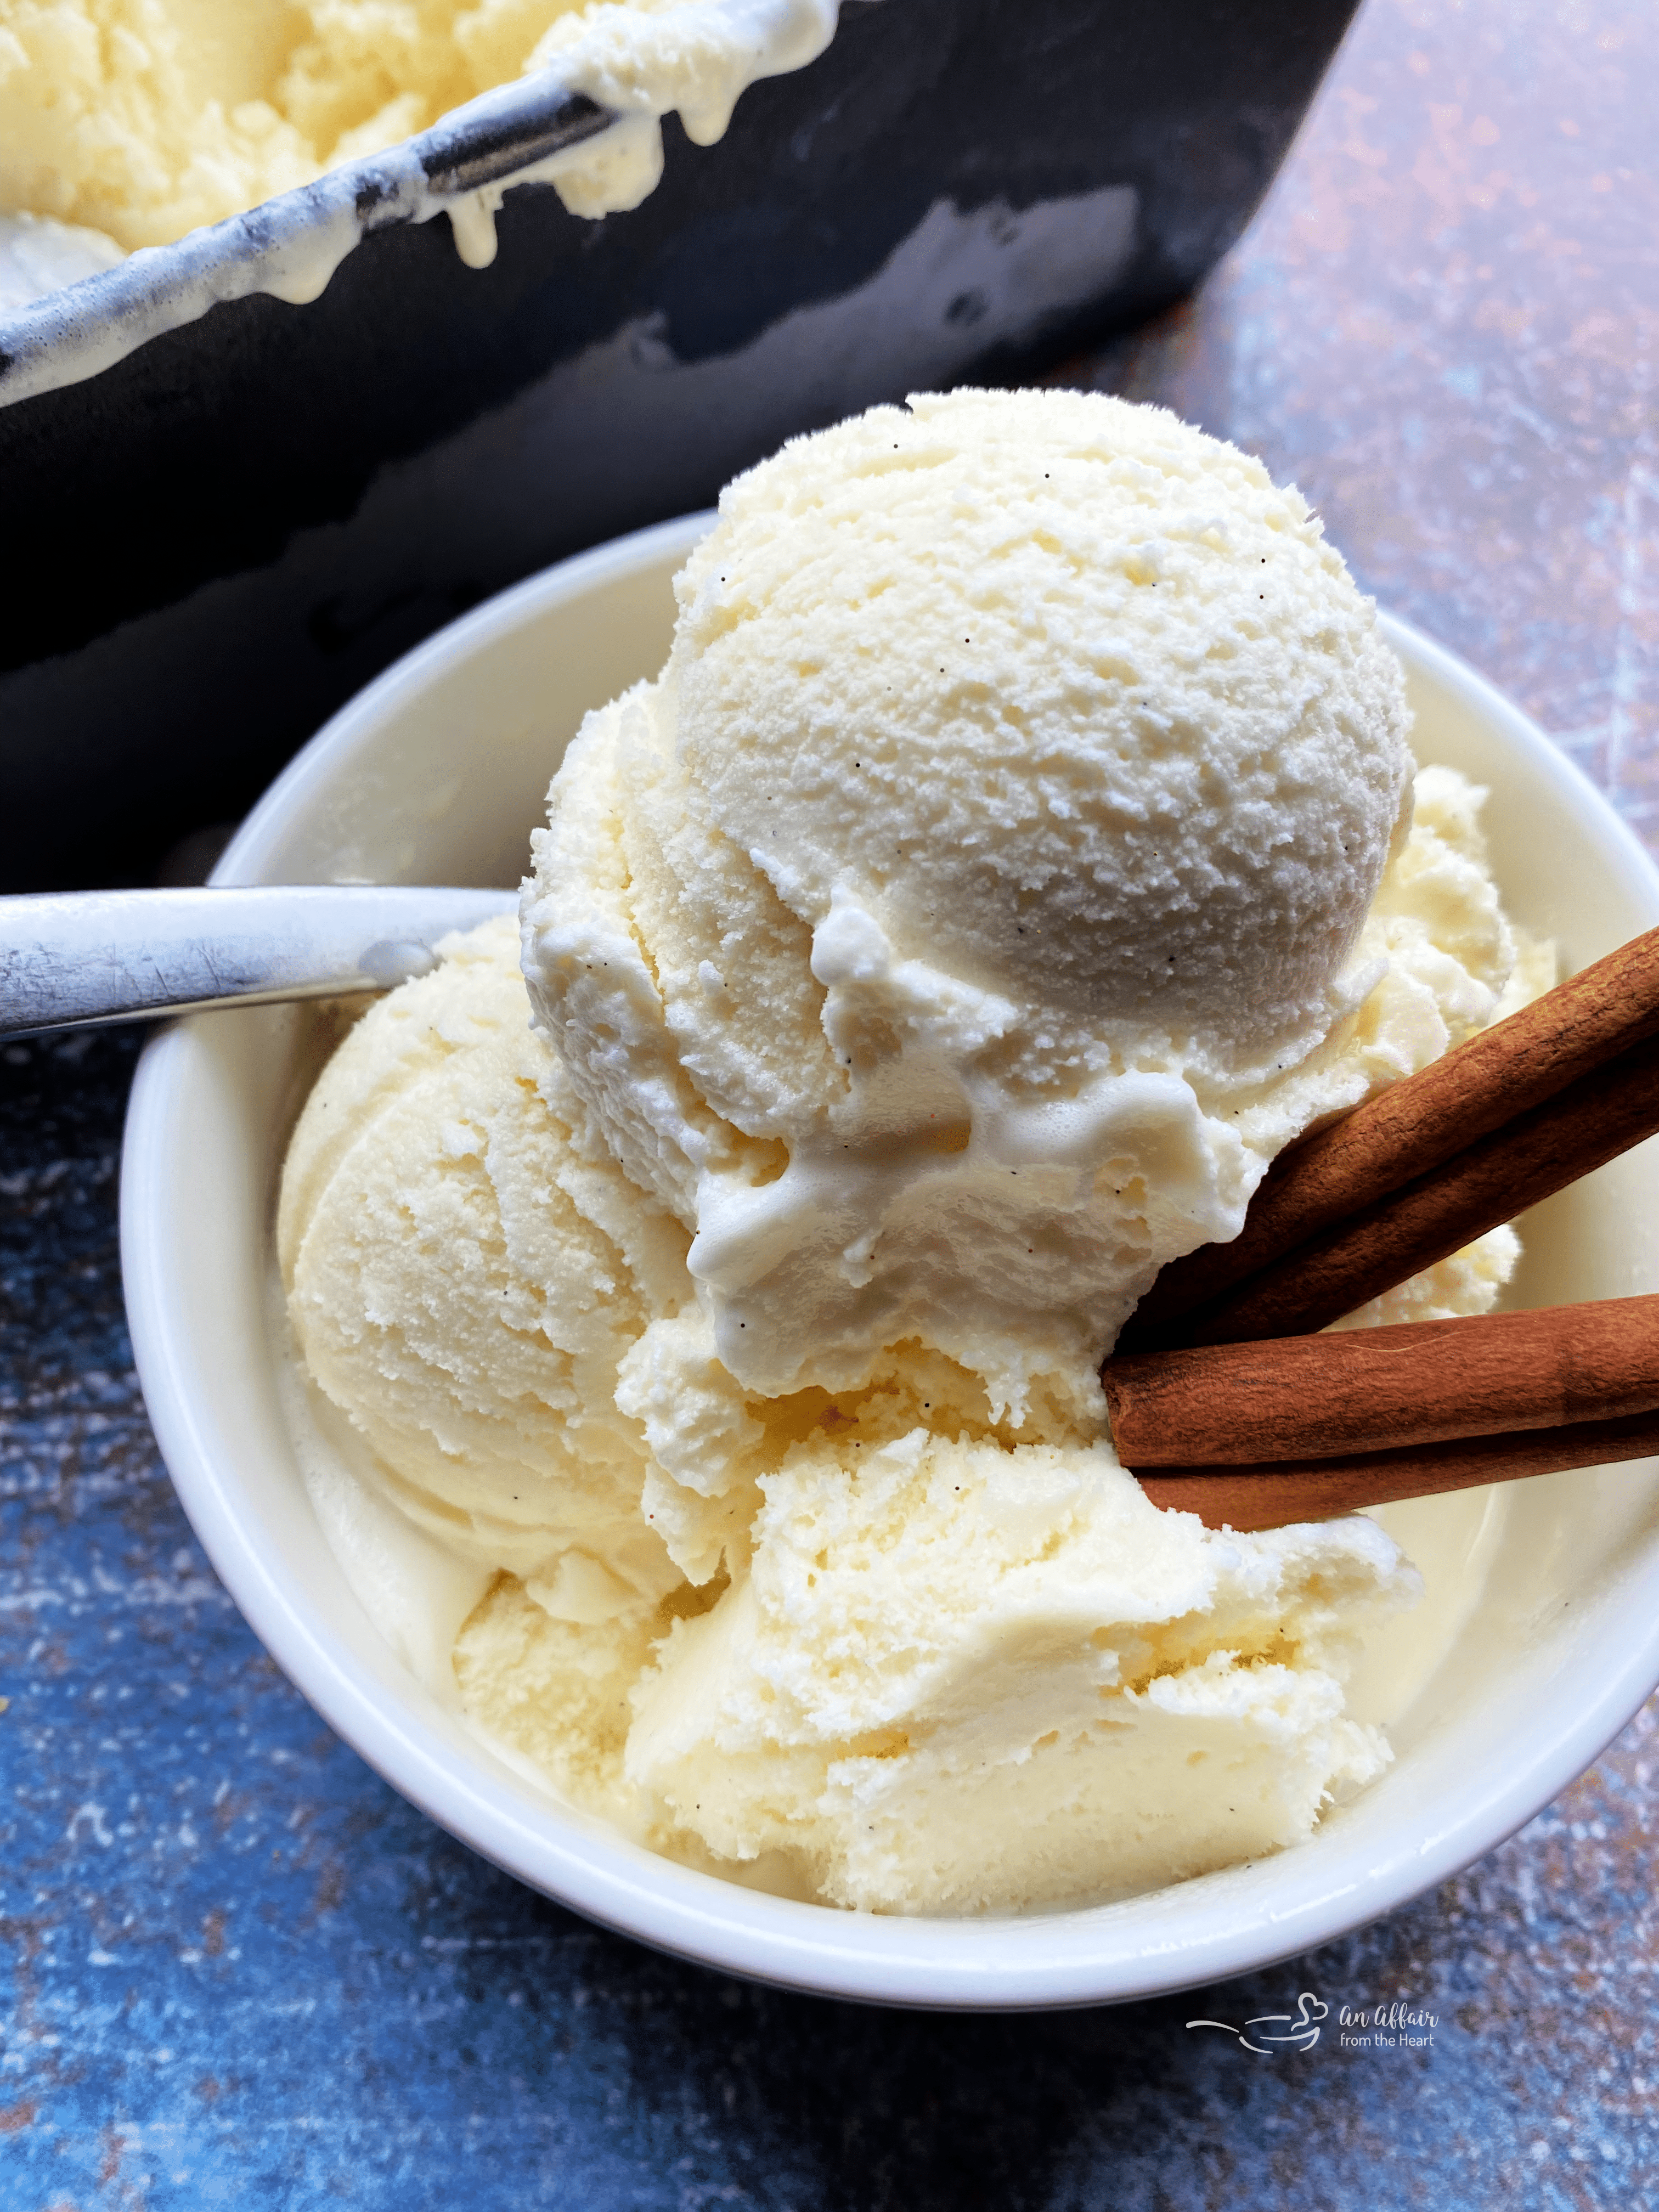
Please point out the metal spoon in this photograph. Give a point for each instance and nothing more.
(68, 959)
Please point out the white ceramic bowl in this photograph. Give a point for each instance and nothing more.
(437, 773)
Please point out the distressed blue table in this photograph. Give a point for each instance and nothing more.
(238, 1971)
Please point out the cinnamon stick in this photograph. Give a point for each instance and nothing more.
(1516, 1167)
(1382, 1390)
(1416, 1126)
(1273, 1496)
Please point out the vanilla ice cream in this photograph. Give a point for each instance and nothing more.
(464, 1282)
(974, 906)
(142, 120)
(1016, 852)
(959, 1676)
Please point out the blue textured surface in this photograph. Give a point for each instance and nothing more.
(238, 1971)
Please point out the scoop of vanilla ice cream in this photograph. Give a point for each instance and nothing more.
(957, 1677)
(1059, 689)
(956, 930)
(463, 1281)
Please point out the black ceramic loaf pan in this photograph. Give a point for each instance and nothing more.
(219, 538)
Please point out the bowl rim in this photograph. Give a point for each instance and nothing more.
(1036, 1962)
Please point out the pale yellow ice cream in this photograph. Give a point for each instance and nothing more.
(959, 1677)
(142, 120)
(464, 1282)
(978, 901)
(919, 1668)
(870, 1605)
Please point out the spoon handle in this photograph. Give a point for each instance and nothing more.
(70, 957)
